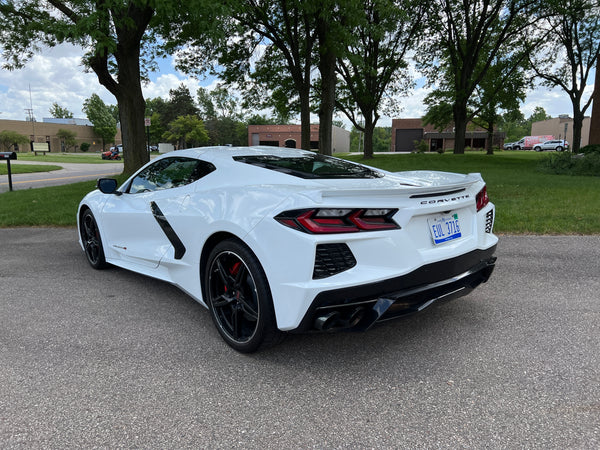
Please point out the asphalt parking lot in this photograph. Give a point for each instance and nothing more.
(112, 359)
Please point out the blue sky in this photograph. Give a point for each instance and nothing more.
(56, 75)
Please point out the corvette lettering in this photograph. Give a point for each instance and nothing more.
(445, 200)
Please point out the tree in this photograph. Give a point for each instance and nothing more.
(9, 140)
(374, 63)
(335, 21)
(101, 117)
(59, 112)
(156, 109)
(469, 37)
(513, 123)
(285, 28)
(116, 36)
(219, 103)
(67, 139)
(489, 100)
(539, 114)
(226, 131)
(573, 27)
(180, 103)
(207, 107)
(186, 130)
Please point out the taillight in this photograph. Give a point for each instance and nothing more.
(342, 220)
(482, 199)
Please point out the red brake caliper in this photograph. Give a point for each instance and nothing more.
(234, 270)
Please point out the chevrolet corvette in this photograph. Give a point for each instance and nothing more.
(275, 240)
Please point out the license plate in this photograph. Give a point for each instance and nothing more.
(444, 228)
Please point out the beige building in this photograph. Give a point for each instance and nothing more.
(45, 132)
(561, 127)
(289, 136)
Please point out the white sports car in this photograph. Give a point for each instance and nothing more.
(274, 240)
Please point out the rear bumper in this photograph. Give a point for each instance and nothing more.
(358, 308)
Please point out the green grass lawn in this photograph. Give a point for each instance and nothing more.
(527, 201)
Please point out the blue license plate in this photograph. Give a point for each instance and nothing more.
(444, 228)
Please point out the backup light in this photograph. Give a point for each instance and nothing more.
(337, 220)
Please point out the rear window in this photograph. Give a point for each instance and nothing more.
(310, 166)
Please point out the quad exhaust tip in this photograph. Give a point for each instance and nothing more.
(335, 320)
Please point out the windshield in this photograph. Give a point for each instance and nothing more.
(310, 166)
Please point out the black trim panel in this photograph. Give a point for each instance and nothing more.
(412, 292)
(168, 230)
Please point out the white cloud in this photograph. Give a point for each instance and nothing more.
(56, 75)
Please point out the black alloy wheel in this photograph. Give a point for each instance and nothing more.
(239, 298)
(92, 243)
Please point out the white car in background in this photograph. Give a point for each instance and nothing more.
(272, 240)
(556, 144)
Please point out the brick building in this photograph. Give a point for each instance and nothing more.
(289, 136)
(406, 133)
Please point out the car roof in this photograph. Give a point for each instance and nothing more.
(226, 152)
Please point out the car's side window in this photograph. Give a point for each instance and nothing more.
(169, 173)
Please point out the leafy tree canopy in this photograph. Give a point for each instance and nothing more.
(101, 117)
(9, 139)
(186, 131)
(59, 112)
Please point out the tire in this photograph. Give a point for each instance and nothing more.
(559, 149)
(537, 149)
(239, 298)
(92, 242)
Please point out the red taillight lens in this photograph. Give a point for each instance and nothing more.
(482, 199)
(343, 220)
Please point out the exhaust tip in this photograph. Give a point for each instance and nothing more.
(327, 321)
(356, 316)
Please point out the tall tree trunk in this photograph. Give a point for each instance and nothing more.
(490, 140)
(460, 127)
(131, 112)
(305, 117)
(577, 125)
(595, 120)
(327, 60)
(368, 142)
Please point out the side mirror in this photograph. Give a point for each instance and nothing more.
(107, 185)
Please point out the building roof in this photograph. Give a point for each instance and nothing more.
(72, 121)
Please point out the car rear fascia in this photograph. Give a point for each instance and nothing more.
(400, 296)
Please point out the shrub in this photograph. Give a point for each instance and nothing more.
(421, 146)
(567, 164)
(85, 146)
(593, 148)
